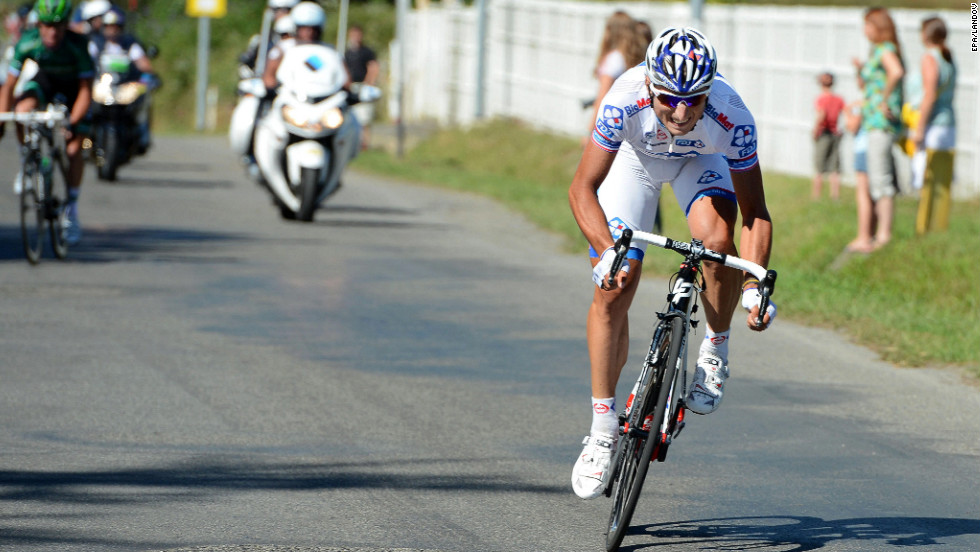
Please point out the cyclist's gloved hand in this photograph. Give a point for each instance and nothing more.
(752, 299)
(601, 271)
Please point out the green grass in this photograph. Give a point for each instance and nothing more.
(916, 301)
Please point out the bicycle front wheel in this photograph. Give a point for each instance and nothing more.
(32, 214)
(639, 441)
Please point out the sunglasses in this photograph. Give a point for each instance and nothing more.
(674, 101)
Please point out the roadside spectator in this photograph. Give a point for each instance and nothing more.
(826, 138)
(362, 64)
(864, 242)
(881, 78)
(934, 137)
(13, 24)
(622, 47)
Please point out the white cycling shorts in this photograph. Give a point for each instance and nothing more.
(630, 193)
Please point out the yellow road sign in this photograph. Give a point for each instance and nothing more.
(207, 8)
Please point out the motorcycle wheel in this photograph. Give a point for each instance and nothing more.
(110, 155)
(309, 189)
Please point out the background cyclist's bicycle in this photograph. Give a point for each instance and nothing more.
(43, 180)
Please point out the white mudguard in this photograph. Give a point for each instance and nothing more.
(307, 154)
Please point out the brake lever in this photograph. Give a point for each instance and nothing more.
(622, 247)
(766, 288)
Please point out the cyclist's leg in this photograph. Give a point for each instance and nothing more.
(29, 100)
(628, 197)
(704, 190)
(705, 193)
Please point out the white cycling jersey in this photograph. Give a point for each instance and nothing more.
(697, 164)
(727, 126)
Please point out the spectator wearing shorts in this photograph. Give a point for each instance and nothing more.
(864, 241)
(881, 79)
(826, 137)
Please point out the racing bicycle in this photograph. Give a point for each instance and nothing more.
(654, 413)
(44, 180)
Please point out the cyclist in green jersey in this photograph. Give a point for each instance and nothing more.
(64, 69)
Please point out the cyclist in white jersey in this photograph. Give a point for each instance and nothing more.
(671, 119)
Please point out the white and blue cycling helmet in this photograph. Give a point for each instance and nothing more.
(682, 61)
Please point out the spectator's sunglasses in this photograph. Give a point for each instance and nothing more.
(674, 101)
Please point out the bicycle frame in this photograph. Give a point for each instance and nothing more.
(656, 402)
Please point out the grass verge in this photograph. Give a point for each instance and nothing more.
(916, 301)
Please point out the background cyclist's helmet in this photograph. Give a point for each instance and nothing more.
(308, 14)
(53, 11)
(282, 4)
(95, 8)
(681, 61)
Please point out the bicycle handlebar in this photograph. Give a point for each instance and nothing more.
(767, 278)
(50, 116)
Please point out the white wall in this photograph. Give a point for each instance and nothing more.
(541, 54)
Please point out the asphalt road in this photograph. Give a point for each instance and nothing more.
(409, 372)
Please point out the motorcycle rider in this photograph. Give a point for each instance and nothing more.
(90, 18)
(64, 69)
(283, 29)
(117, 42)
(309, 19)
(280, 9)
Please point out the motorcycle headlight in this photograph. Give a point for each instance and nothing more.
(102, 91)
(130, 92)
(333, 118)
(300, 118)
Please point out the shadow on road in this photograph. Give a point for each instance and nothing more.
(799, 533)
(201, 475)
(144, 181)
(160, 487)
(128, 244)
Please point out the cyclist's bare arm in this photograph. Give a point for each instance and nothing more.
(7, 93)
(592, 170)
(756, 239)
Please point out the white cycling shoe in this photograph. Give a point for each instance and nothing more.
(590, 476)
(708, 386)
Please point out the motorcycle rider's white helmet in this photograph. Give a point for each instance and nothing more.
(308, 14)
(284, 25)
(282, 4)
(95, 8)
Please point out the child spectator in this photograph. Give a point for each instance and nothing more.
(826, 137)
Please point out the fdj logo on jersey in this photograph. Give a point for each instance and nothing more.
(616, 227)
(708, 177)
(612, 116)
(744, 136)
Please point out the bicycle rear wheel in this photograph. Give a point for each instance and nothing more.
(637, 445)
(32, 213)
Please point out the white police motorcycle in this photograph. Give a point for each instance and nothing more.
(308, 135)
